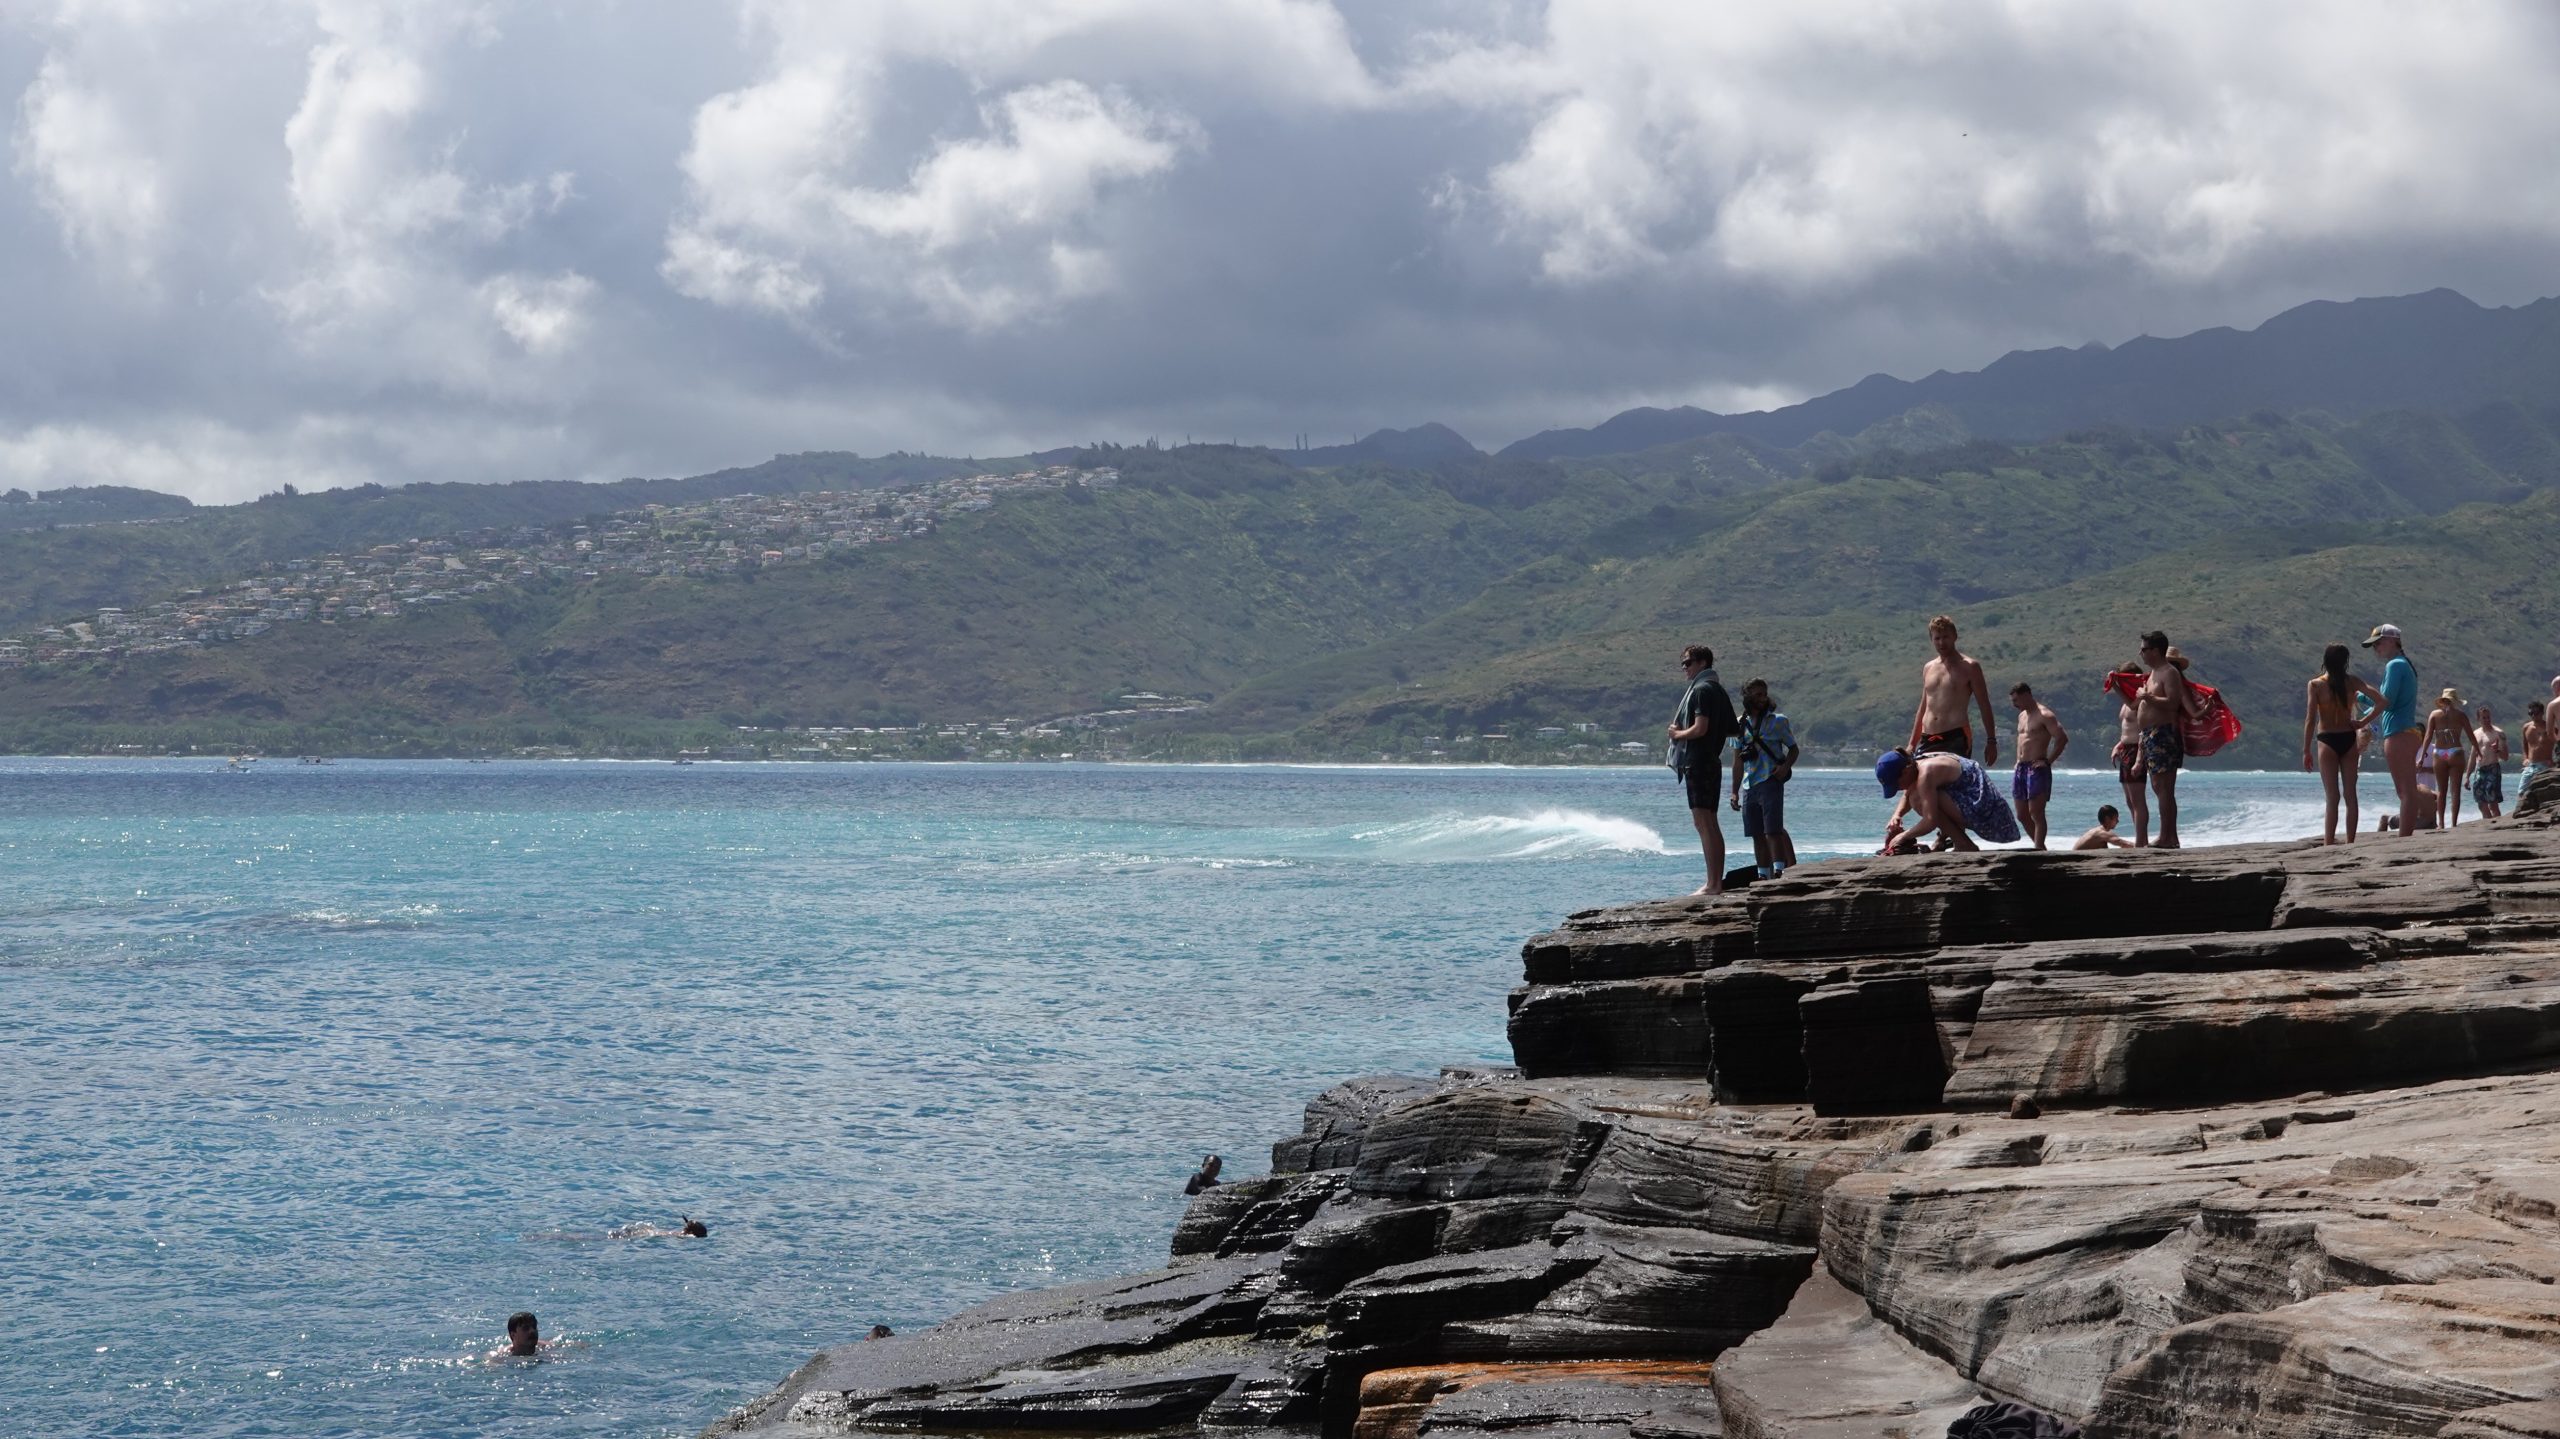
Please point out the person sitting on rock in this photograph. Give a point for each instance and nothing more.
(2104, 836)
(1944, 792)
(1207, 1178)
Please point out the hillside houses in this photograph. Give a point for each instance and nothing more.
(384, 582)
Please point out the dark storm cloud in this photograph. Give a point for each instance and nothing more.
(253, 241)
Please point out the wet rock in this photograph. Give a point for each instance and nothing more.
(1640, 942)
(1253, 1216)
(1624, 1026)
(1871, 1047)
(1476, 1143)
(1339, 1118)
(974, 1358)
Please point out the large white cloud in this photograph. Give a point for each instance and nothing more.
(1828, 141)
(321, 241)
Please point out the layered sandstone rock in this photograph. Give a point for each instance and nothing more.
(2289, 1166)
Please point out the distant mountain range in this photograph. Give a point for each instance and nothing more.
(2381, 460)
(2436, 351)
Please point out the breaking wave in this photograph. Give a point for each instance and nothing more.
(2256, 821)
(1547, 834)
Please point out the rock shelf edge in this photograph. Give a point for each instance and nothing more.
(2256, 1141)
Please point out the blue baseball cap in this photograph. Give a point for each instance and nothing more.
(1889, 767)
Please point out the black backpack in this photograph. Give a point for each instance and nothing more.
(1722, 723)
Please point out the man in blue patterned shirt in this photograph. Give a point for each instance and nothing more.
(1764, 756)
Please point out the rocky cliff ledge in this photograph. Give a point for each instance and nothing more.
(2259, 1141)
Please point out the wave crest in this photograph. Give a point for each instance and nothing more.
(1547, 834)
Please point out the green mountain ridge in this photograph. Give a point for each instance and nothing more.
(1370, 608)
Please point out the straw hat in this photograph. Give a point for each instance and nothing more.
(2451, 696)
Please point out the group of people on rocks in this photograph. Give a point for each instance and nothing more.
(2432, 755)
(1940, 789)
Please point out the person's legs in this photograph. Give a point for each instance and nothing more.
(1711, 840)
(2138, 805)
(1764, 818)
(2400, 756)
(2164, 785)
(2329, 787)
(2028, 795)
(2446, 794)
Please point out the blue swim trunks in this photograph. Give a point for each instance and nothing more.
(2031, 781)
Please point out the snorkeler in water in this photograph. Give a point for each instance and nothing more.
(691, 1228)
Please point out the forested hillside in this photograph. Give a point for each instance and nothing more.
(1376, 609)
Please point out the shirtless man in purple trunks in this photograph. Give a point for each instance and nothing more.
(2041, 741)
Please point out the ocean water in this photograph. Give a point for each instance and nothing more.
(310, 1075)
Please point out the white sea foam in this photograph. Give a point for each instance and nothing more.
(1546, 834)
(2257, 821)
(398, 916)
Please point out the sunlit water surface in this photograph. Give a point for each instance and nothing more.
(306, 1072)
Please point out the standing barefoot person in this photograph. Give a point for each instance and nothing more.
(2163, 704)
(1951, 683)
(2448, 751)
(2041, 741)
(2129, 773)
(2537, 740)
(1699, 728)
(2489, 766)
(2396, 722)
(2332, 727)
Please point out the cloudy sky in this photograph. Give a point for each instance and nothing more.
(325, 241)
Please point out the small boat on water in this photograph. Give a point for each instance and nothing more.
(317, 759)
(242, 762)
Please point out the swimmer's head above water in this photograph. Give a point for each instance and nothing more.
(524, 1332)
(694, 1228)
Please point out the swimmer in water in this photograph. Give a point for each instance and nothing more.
(1207, 1177)
(524, 1337)
(691, 1228)
(881, 1331)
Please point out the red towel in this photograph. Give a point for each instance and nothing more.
(2213, 725)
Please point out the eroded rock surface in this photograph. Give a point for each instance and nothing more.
(2287, 1163)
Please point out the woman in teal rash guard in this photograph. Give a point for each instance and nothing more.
(2397, 721)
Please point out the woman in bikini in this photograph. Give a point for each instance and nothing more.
(2332, 729)
(2446, 748)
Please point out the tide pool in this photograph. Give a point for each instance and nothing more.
(310, 1075)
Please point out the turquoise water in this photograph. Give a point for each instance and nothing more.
(306, 1072)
